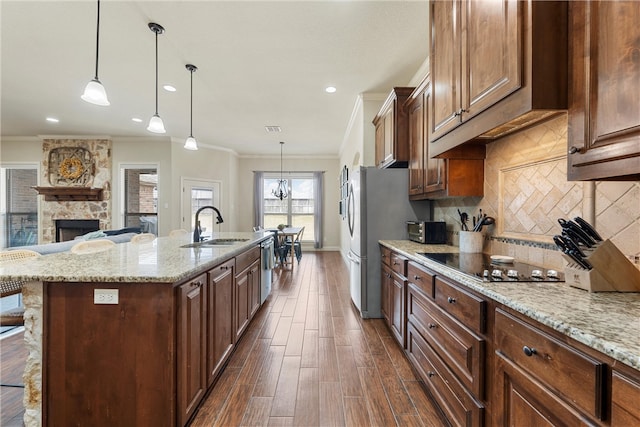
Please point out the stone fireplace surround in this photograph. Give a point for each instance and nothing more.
(100, 150)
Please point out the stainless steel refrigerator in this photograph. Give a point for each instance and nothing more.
(378, 208)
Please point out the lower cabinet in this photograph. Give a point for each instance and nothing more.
(625, 396)
(394, 294)
(191, 354)
(221, 337)
(247, 288)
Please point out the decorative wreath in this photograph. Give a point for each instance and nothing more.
(71, 168)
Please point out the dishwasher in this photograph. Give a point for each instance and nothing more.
(266, 263)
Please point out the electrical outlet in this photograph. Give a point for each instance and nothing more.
(105, 296)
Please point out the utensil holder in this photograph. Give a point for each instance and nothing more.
(471, 241)
(611, 272)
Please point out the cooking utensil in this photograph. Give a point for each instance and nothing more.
(486, 220)
(464, 217)
(575, 238)
(571, 244)
(568, 247)
(588, 228)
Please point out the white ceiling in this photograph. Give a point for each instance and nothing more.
(259, 63)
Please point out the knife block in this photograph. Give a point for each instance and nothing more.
(611, 272)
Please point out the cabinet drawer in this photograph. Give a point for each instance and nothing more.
(575, 376)
(460, 408)
(399, 264)
(625, 398)
(461, 349)
(421, 277)
(461, 304)
(385, 255)
(245, 259)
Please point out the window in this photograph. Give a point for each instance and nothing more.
(19, 205)
(141, 198)
(300, 209)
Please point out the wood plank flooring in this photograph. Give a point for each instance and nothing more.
(307, 359)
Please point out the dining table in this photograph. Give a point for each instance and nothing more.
(287, 234)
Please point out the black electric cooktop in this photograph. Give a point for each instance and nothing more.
(483, 267)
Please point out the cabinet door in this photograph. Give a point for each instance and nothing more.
(192, 374)
(380, 132)
(415, 113)
(221, 332)
(625, 395)
(434, 169)
(385, 286)
(604, 95)
(242, 302)
(397, 317)
(445, 67)
(491, 53)
(254, 288)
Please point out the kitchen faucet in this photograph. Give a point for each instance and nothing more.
(197, 231)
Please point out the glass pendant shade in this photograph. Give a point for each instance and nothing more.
(156, 125)
(191, 143)
(94, 93)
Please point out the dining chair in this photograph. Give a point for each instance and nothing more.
(91, 246)
(177, 233)
(143, 238)
(13, 316)
(296, 245)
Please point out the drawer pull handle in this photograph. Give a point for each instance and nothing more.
(529, 351)
(395, 263)
(451, 300)
(431, 374)
(432, 325)
(416, 277)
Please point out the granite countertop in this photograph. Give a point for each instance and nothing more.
(606, 321)
(159, 261)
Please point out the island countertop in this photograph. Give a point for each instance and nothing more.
(605, 321)
(162, 260)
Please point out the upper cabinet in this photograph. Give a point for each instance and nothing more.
(496, 67)
(460, 174)
(392, 144)
(604, 109)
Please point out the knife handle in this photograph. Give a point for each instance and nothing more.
(588, 228)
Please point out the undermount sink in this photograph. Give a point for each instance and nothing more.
(215, 242)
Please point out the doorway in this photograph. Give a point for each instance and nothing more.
(197, 193)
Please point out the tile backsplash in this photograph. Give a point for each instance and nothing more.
(526, 190)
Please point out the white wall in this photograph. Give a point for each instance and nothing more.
(330, 166)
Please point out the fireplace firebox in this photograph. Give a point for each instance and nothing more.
(68, 229)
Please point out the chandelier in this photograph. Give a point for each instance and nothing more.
(281, 192)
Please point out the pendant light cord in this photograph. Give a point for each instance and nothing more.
(156, 73)
(97, 39)
(191, 107)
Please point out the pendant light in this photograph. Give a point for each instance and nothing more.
(191, 143)
(94, 92)
(281, 192)
(155, 124)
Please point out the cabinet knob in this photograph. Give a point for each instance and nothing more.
(529, 351)
(431, 374)
(573, 150)
(451, 300)
(432, 325)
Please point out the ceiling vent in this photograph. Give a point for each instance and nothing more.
(272, 129)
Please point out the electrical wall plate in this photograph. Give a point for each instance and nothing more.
(105, 296)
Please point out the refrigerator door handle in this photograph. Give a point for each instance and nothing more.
(353, 259)
(351, 207)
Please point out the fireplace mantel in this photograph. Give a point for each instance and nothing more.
(61, 194)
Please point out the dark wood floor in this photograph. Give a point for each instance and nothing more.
(12, 359)
(307, 359)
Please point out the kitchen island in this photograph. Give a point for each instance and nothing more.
(514, 353)
(136, 334)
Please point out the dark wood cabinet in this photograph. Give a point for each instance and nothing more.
(496, 67)
(192, 327)
(385, 292)
(221, 335)
(604, 91)
(539, 375)
(625, 396)
(392, 144)
(461, 174)
(247, 284)
(393, 294)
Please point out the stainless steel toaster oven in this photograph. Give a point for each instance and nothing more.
(427, 232)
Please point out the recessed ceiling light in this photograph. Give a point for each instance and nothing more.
(330, 89)
(52, 120)
(169, 88)
(273, 128)
(137, 120)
